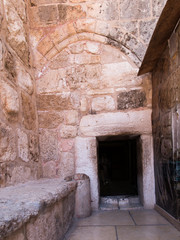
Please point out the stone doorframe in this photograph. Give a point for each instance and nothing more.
(134, 122)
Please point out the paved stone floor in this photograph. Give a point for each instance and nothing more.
(123, 225)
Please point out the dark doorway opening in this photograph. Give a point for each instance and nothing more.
(117, 166)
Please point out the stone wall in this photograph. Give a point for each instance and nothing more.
(166, 125)
(19, 144)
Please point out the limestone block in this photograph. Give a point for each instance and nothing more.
(7, 143)
(76, 48)
(86, 163)
(54, 101)
(52, 81)
(45, 45)
(16, 34)
(1, 55)
(41, 2)
(20, 174)
(83, 105)
(62, 60)
(23, 145)
(111, 54)
(50, 119)
(34, 147)
(67, 164)
(39, 229)
(10, 100)
(130, 26)
(9, 65)
(108, 10)
(66, 145)
(24, 79)
(48, 14)
(92, 47)
(49, 169)
(69, 13)
(132, 99)
(87, 58)
(116, 71)
(135, 9)
(71, 117)
(146, 29)
(105, 103)
(83, 196)
(130, 122)
(29, 112)
(48, 145)
(157, 7)
(68, 131)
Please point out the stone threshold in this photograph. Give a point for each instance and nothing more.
(120, 203)
(21, 202)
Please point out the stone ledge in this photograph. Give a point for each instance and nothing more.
(21, 202)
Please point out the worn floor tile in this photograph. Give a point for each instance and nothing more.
(93, 233)
(147, 217)
(148, 233)
(107, 218)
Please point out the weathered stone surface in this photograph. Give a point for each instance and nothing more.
(66, 145)
(50, 119)
(71, 117)
(132, 99)
(9, 100)
(67, 164)
(62, 60)
(52, 81)
(23, 151)
(29, 112)
(130, 122)
(16, 34)
(20, 174)
(105, 103)
(31, 201)
(68, 131)
(166, 148)
(48, 145)
(24, 79)
(108, 10)
(110, 54)
(49, 169)
(54, 102)
(9, 65)
(134, 9)
(157, 7)
(34, 147)
(7, 143)
(92, 47)
(16, 236)
(48, 14)
(69, 13)
(1, 55)
(146, 29)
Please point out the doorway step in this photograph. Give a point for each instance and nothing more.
(120, 202)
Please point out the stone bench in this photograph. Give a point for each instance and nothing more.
(37, 210)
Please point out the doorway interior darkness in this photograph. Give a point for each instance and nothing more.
(117, 166)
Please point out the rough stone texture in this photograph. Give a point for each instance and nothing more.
(105, 103)
(129, 122)
(16, 33)
(69, 13)
(50, 119)
(132, 99)
(39, 204)
(29, 112)
(66, 167)
(23, 150)
(10, 100)
(68, 131)
(9, 65)
(7, 143)
(48, 145)
(146, 29)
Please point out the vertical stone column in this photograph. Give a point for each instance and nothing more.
(86, 162)
(148, 171)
